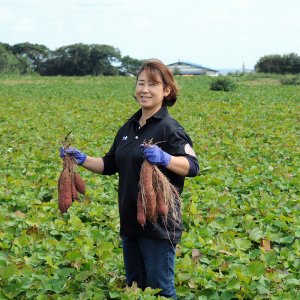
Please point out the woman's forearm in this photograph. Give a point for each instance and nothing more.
(94, 164)
(179, 165)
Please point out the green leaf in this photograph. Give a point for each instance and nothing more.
(31, 293)
(107, 246)
(114, 295)
(234, 284)
(227, 295)
(82, 276)
(286, 240)
(256, 268)
(242, 244)
(193, 208)
(7, 272)
(48, 259)
(186, 261)
(271, 258)
(293, 281)
(256, 234)
(55, 285)
(73, 255)
(65, 272)
(13, 290)
(75, 223)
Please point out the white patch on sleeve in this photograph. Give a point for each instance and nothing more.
(189, 150)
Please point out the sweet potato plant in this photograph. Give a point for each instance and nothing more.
(240, 215)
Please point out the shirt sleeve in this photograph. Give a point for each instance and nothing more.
(180, 144)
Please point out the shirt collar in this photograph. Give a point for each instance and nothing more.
(158, 115)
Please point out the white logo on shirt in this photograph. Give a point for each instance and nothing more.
(189, 150)
(124, 138)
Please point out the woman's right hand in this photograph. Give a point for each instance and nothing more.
(78, 156)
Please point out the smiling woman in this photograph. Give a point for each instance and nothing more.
(143, 245)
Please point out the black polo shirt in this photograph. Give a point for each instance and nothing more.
(125, 157)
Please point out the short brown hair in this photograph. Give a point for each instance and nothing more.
(153, 67)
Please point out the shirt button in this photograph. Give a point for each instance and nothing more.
(139, 127)
(136, 137)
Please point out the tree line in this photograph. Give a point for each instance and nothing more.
(95, 59)
(72, 60)
(279, 64)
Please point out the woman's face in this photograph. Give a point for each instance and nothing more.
(150, 94)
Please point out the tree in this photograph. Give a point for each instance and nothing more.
(34, 53)
(72, 60)
(289, 63)
(269, 64)
(81, 59)
(103, 58)
(129, 65)
(10, 63)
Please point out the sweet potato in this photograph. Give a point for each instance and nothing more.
(79, 183)
(141, 217)
(64, 191)
(75, 195)
(148, 192)
(162, 205)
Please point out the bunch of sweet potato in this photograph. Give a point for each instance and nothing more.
(69, 183)
(157, 196)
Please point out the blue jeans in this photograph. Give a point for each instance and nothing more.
(150, 263)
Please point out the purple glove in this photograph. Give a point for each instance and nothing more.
(155, 155)
(75, 153)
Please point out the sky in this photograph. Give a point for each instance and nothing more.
(218, 34)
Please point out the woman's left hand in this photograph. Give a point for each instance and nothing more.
(75, 153)
(155, 155)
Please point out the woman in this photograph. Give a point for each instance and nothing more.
(149, 251)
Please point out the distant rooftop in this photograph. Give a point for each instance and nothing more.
(191, 64)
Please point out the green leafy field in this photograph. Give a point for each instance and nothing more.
(241, 214)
